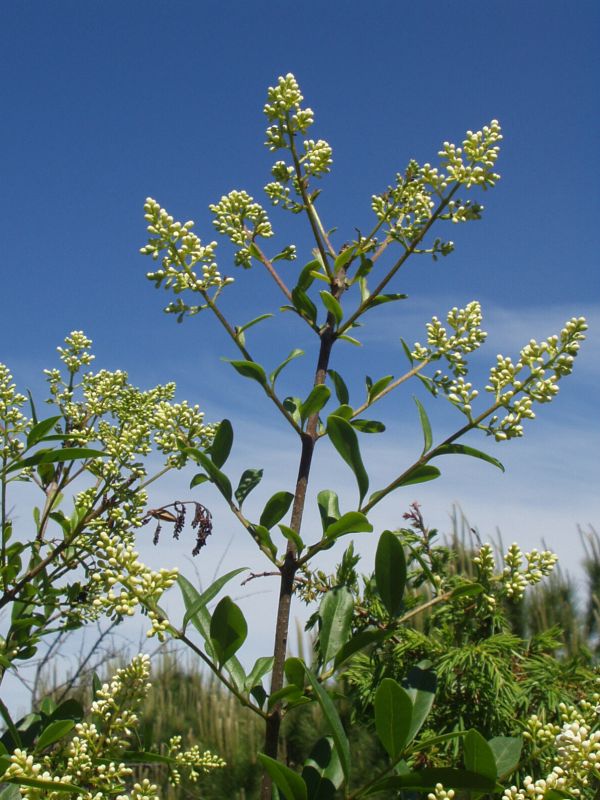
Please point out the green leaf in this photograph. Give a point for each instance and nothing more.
(314, 402)
(379, 386)
(322, 771)
(249, 481)
(393, 714)
(293, 405)
(10, 725)
(425, 425)
(329, 508)
(304, 305)
(262, 665)
(38, 783)
(390, 572)
(40, 430)
(228, 629)
(425, 780)
(335, 618)
(52, 456)
(221, 446)
(252, 322)
(345, 441)
(276, 508)
(478, 755)
(289, 783)
(407, 352)
(420, 684)
(215, 475)
(341, 390)
(53, 732)
(368, 425)
(350, 339)
(421, 474)
(263, 537)
(199, 477)
(386, 298)
(250, 369)
(10, 792)
(351, 522)
(366, 265)
(462, 449)
(294, 354)
(332, 305)
(195, 602)
(344, 257)
(306, 278)
(333, 720)
(292, 536)
(344, 411)
(507, 754)
(467, 590)
(358, 642)
(557, 794)
(295, 673)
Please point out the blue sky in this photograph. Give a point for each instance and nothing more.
(107, 102)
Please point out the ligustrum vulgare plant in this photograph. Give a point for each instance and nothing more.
(105, 436)
(75, 561)
(355, 279)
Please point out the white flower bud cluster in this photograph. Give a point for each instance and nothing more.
(576, 756)
(279, 191)
(467, 337)
(76, 354)
(515, 579)
(284, 111)
(118, 564)
(317, 158)
(182, 252)
(12, 420)
(473, 163)
(232, 213)
(193, 759)
(408, 206)
(535, 376)
(485, 561)
(440, 793)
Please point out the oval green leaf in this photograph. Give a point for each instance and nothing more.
(276, 508)
(345, 441)
(478, 755)
(393, 714)
(221, 446)
(314, 402)
(55, 731)
(335, 620)
(351, 522)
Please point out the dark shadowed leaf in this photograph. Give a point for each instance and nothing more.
(390, 572)
(333, 720)
(249, 481)
(228, 629)
(289, 783)
(221, 446)
(341, 390)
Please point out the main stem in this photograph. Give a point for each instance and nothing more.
(290, 565)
